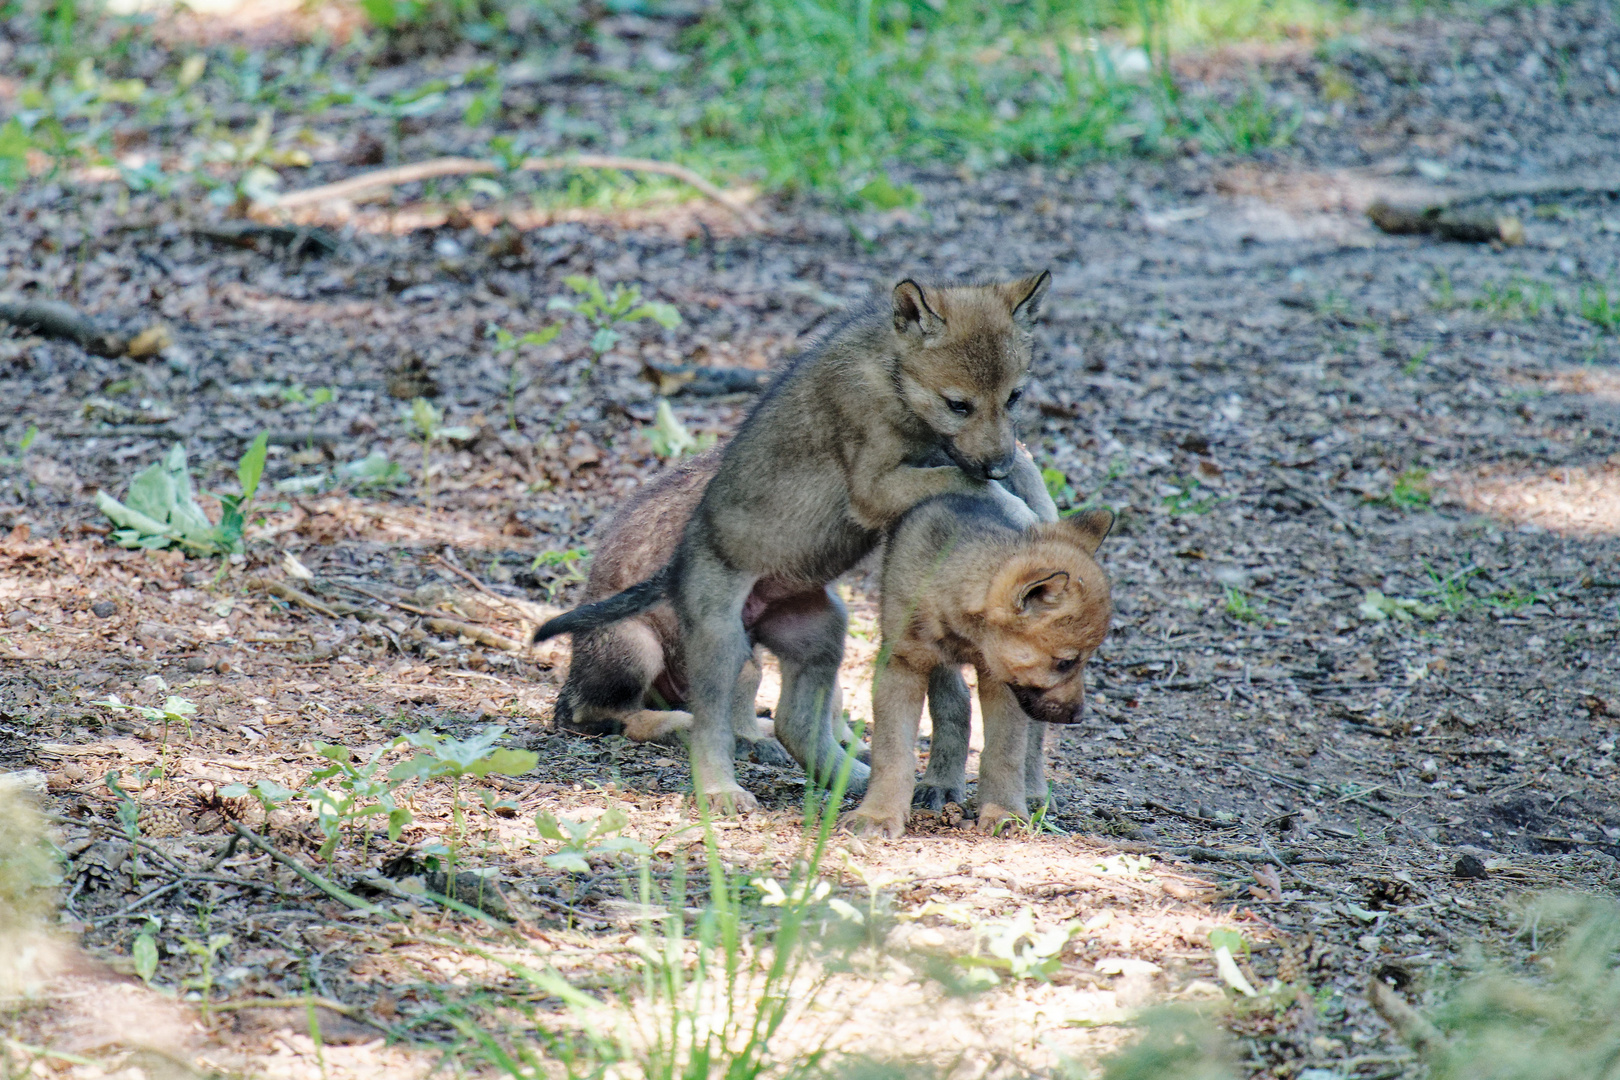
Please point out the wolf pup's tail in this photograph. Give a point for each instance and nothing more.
(632, 601)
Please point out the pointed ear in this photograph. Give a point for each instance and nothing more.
(1090, 527)
(912, 313)
(1027, 295)
(1039, 590)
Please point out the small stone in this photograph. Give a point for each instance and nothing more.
(104, 609)
(17, 617)
(1470, 867)
(197, 664)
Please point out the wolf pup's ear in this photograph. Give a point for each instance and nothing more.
(1043, 592)
(1091, 528)
(912, 313)
(1027, 295)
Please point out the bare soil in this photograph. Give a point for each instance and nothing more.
(1233, 359)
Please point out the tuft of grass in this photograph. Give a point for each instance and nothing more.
(1240, 607)
(1410, 491)
(1517, 298)
(1600, 307)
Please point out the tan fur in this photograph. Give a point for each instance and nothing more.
(1025, 603)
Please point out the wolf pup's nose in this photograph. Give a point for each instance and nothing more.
(998, 470)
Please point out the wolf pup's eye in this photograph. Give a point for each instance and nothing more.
(1012, 398)
(1060, 666)
(960, 408)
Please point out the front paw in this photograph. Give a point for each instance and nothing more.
(730, 801)
(871, 821)
(995, 819)
(934, 797)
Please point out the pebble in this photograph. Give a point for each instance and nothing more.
(104, 609)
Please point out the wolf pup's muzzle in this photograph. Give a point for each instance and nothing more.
(1038, 707)
(997, 469)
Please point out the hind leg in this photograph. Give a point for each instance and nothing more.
(945, 779)
(752, 739)
(607, 683)
(708, 600)
(807, 635)
(1035, 789)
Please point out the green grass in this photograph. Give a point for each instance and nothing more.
(1410, 491)
(825, 94)
(1519, 298)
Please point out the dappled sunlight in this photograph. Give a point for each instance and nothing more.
(1571, 500)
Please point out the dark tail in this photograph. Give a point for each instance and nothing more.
(632, 601)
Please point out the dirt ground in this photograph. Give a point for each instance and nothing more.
(1360, 699)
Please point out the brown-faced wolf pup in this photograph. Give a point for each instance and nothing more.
(818, 472)
(628, 677)
(966, 580)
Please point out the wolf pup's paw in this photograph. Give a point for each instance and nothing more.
(730, 801)
(932, 797)
(863, 821)
(765, 751)
(994, 819)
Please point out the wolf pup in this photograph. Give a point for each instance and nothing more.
(618, 670)
(808, 486)
(621, 669)
(966, 581)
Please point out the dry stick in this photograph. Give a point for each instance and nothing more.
(1410, 1025)
(526, 611)
(460, 166)
(287, 592)
(336, 892)
(383, 599)
(477, 633)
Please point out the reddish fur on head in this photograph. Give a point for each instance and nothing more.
(1046, 612)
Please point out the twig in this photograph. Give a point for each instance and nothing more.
(382, 599)
(287, 592)
(336, 892)
(166, 431)
(1316, 500)
(1199, 853)
(1410, 1025)
(477, 633)
(461, 166)
(294, 1003)
(58, 320)
(526, 611)
(150, 894)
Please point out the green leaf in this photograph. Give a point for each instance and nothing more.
(1231, 940)
(234, 791)
(571, 861)
(334, 752)
(505, 762)
(546, 825)
(251, 467)
(541, 337)
(145, 954)
(398, 818)
(604, 339)
(613, 820)
(664, 315)
(14, 147)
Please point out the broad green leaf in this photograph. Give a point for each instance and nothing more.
(612, 820)
(505, 762)
(134, 520)
(571, 861)
(251, 467)
(604, 339)
(546, 825)
(398, 818)
(664, 315)
(145, 954)
(334, 752)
